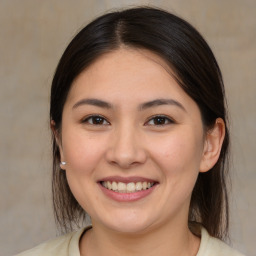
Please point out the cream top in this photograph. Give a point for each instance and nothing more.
(68, 245)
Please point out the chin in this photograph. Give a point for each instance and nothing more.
(127, 228)
(128, 222)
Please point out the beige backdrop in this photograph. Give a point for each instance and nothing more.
(33, 35)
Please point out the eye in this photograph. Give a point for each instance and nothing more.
(95, 120)
(159, 120)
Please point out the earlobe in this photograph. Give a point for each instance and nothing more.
(213, 144)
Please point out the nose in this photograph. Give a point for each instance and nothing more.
(126, 148)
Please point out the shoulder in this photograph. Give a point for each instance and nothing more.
(62, 246)
(211, 246)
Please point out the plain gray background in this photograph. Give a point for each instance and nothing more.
(33, 35)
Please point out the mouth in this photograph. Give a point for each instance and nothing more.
(127, 187)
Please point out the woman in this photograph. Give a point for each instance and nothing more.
(140, 140)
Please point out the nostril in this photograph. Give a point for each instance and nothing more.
(126, 158)
(125, 148)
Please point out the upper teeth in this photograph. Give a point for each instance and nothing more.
(127, 188)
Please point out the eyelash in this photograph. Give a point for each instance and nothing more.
(95, 117)
(160, 117)
(101, 120)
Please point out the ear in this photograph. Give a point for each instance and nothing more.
(212, 146)
(57, 138)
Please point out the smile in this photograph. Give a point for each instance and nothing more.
(130, 187)
(127, 189)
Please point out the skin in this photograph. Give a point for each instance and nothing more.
(130, 141)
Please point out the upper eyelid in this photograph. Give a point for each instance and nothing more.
(170, 121)
(93, 115)
(163, 116)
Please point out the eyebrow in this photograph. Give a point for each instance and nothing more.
(143, 106)
(160, 102)
(94, 102)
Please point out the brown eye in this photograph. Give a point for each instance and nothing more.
(159, 120)
(96, 120)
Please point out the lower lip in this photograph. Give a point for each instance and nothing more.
(127, 197)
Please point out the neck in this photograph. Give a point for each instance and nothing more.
(165, 241)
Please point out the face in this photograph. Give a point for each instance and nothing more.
(133, 142)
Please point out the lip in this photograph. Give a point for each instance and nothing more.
(127, 197)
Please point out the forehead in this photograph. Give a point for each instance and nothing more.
(126, 70)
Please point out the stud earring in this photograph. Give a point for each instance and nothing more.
(61, 164)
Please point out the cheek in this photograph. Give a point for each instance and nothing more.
(82, 152)
(179, 158)
(179, 150)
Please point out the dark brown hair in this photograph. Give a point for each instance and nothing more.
(196, 71)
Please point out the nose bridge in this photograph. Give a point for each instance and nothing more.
(126, 147)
